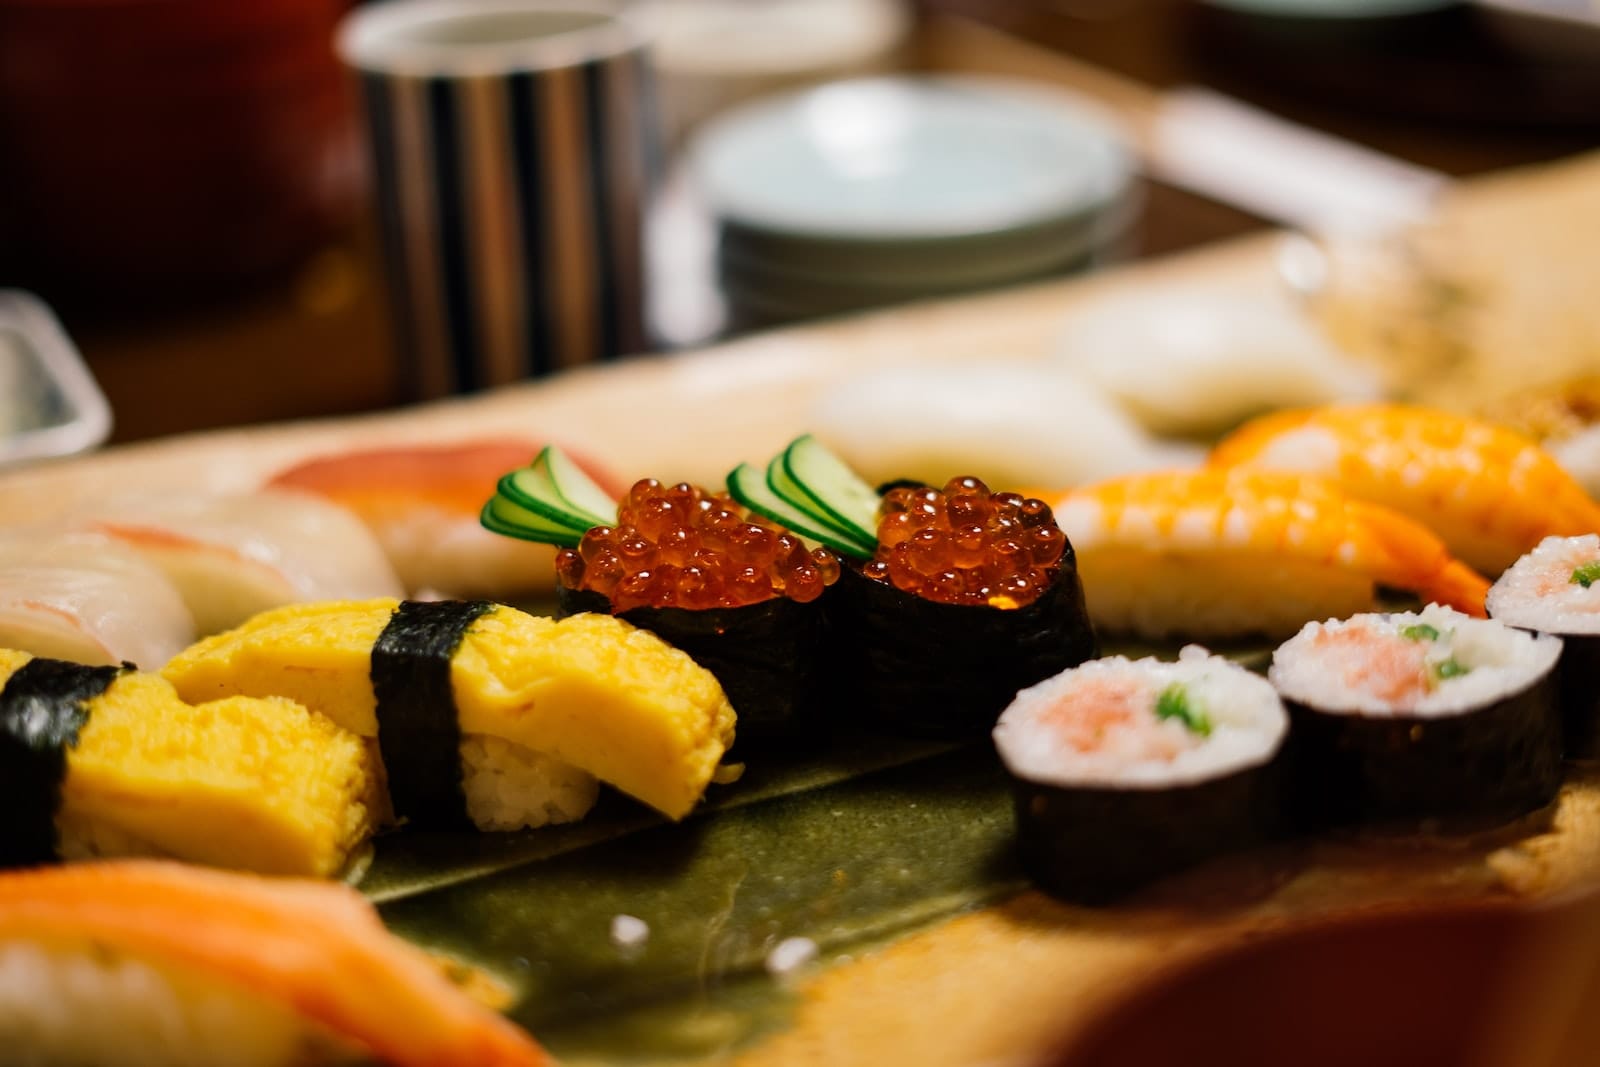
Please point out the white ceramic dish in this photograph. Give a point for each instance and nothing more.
(910, 158)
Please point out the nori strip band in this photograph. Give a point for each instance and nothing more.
(1496, 762)
(419, 733)
(1093, 845)
(947, 671)
(769, 657)
(42, 708)
(1576, 675)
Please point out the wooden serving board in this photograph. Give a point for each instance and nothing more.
(963, 968)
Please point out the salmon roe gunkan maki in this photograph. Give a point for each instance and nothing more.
(966, 545)
(680, 546)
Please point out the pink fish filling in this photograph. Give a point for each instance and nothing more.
(1116, 714)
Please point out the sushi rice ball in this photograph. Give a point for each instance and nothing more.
(1126, 770)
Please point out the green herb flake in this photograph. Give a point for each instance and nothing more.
(1174, 703)
(1587, 574)
(1419, 632)
(1450, 668)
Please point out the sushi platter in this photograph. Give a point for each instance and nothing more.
(850, 773)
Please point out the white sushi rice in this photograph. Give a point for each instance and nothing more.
(1211, 594)
(1365, 665)
(87, 1006)
(1538, 593)
(509, 787)
(1036, 734)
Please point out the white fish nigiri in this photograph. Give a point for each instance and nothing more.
(234, 555)
(83, 598)
(1196, 360)
(1022, 424)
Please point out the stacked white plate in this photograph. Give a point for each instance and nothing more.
(874, 191)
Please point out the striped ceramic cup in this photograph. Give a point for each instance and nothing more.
(512, 144)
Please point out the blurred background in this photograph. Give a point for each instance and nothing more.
(186, 183)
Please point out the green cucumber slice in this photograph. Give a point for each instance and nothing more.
(554, 487)
(828, 488)
(748, 485)
(503, 515)
(580, 492)
(780, 484)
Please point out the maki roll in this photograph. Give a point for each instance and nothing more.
(484, 715)
(970, 595)
(1555, 589)
(737, 592)
(1419, 716)
(106, 761)
(1128, 770)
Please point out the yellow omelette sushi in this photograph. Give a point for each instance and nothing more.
(106, 761)
(484, 714)
(145, 963)
(1489, 493)
(1227, 553)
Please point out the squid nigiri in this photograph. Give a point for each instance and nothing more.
(144, 962)
(1489, 493)
(82, 597)
(422, 504)
(234, 555)
(1222, 553)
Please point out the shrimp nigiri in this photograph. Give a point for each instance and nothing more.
(147, 962)
(422, 504)
(1489, 493)
(1229, 553)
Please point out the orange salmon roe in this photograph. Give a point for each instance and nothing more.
(966, 545)
(679, 546)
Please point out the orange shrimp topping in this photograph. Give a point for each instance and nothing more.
(1266, 516)
(1489, 493)
(314, 947)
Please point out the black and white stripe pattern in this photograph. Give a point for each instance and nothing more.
(511, 206)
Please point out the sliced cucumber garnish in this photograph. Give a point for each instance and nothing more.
(825, 485)
(779, 482)
(555, 488)
(748, 485)
(575, 487)
(502, 515)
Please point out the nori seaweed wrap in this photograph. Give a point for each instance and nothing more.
(971, 596)
(1125, 771)
(946, 671)
(43, 706)
(1428, 716)
(1555, 590)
